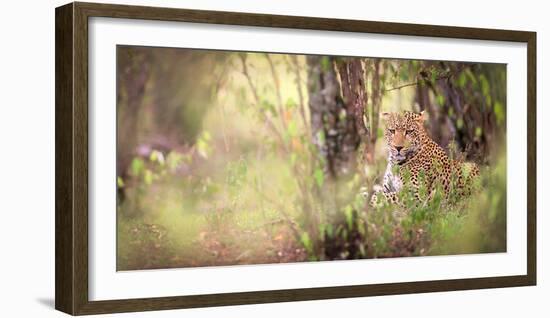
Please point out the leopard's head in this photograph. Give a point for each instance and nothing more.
(403, 134)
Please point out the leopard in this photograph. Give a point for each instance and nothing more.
(413, 152)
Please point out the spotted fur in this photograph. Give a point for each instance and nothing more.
(410, 147)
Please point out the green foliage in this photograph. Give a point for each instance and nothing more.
(249, 184)
(461, 80)
(137, 166)
(498, 109)
(203, 146)
(174, 160)
(292, 129)
(308, 245)
(440, 100)
(290, 103)
(438, 225)
(120, 182)
(326, 63)
(321, 136)
(459, 123)
(478, 132)
(237, 173)
(268, 106)
(319, 176)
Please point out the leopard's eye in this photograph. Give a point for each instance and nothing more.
(408, 132)
(392, 131)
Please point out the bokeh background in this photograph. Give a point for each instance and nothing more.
(230, 158)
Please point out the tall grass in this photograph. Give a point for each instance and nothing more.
(441, 225)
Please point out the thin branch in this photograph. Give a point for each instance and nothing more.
(219, 85)
(405, 85)
(249, 79)
(266, 118)
(423, 81)
(277, 89)
(296, 69)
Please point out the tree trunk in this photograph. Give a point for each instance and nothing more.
(337, 112)
(134, 68)
(352, 77)
(462, 114)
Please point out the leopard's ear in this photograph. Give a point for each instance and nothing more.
(385, 115)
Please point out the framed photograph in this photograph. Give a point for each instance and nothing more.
(219, 158)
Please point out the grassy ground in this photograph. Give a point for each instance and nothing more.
(198, 222)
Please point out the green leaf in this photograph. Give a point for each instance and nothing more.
(268, 107)
(243, 168)
(451, 112)
(202, 148)
(326, 64)
(120, 182)
(461, 80)
(319, 177)
(460, 123)
(290, 103)
(148, 177)
(137, 166)
(440, 100)
(484, 85)
(342, 114)
(306, 242)
(471, 77)
(498, 108)
(292, 128)
(321, 137)
(348, 211)
(478, 132)
(433, 76)
(329, 230)
(174, 159)
(157, 156)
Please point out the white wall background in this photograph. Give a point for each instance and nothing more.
(27, 158)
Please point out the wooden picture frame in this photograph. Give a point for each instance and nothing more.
(71, 122)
